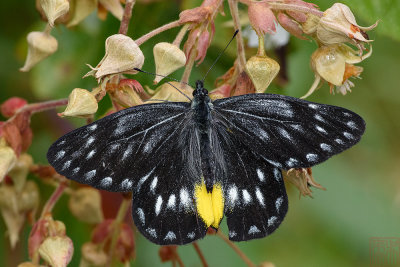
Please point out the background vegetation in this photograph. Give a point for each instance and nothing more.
(331, 229)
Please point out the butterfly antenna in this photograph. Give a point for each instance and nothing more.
(155, 74)
(220, 54)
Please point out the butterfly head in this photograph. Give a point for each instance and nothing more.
(200, 92)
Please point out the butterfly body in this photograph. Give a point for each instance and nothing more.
(189, 164)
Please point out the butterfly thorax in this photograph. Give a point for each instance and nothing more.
(201, 107)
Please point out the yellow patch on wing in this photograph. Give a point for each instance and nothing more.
(210, 205)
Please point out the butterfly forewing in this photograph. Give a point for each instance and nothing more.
(255, 196)
(289, 132)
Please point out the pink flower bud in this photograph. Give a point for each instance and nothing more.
(261, 18)
(11, 105)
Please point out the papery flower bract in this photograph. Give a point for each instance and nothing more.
(333, 63)
(302, 179)
(54, 9)
(40, 46)
(262, 70)
(7, 159)
(57, 250)
(81, 103)
(167, 58)
(338, 25)
(122, 56)
(168, 92)
(93, 255)
(81, 9)
(114, 6)
(85, 204)
(20, 171)
(127, 93)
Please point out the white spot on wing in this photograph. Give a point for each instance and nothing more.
(260, 196)
(171, 201)
(90, 154)
(246, 196)
(106, 182)
(191, 235)
(260, 175)
(272, 220)
(339, 141)
(284, 133)
(319, 118)
(90, 175)
(263, 134)
(277, 174)
(126, 184)
(89, 141)
(170, 236)
(158, 205)
(127, 152)
(320, 129)
(278, 203)
(143, 179)
(326, 147)
(60, 154)
(184, 196)
(153, 184)
(232, 195)
(348, 135)
(140, 213)
(313, 106)
(253, 230)
(312, 157)
(291, 162)
(66, 165)
(232, 234)
(76, 170)
(276, 164)
(352, 125)
(152, 232)
(92, 127)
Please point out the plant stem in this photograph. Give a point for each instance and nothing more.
(126, 18)
(123, 208)
(43, 106)
(261, 49)
(236, 249)
(233, 6)
(189, 66)
(180, 35)
(153, 33)
(201, 256)
(53, 199)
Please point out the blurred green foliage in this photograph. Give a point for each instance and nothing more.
(332, 229)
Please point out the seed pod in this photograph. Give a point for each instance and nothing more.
(261, 70)
(57, 250)
(81, 103)
(40, 46)
(85, 204)
(7, 159)
(168, 58)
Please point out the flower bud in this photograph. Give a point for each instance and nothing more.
(261, 18)
(168, 92)
(85, 204)
(20, 171)
(128, 93)
(114, 6)
(57, 250)
(40, 46)
(338, 25)
(11, 106)
(80, 10)
(168, 58)
(93, 255)
(54, 9)
(262, 70)
(7, 159)
(122, 55)
(81, 103)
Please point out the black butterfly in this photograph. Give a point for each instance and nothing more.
(187, 164)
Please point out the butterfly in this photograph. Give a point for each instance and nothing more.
(190, 163)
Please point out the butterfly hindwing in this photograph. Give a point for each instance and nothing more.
(255, 196)
(289, 132)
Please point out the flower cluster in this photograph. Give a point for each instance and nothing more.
(342, 43)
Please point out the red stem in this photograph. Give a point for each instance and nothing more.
(126, 18)
(153, 33)
(201, 255)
